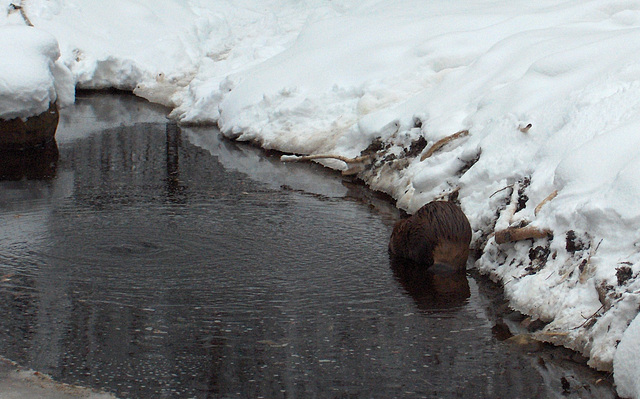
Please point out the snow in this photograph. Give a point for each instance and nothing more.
(30, 77)
(322, 76)
(626, 361)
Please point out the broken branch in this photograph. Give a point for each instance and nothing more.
(512, 234)
(440, 143)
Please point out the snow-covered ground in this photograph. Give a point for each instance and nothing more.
(549, 93)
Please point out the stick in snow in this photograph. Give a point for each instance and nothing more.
(544, 201)
(512, 234)
(440, 143)
(525, 129)
(23, 13)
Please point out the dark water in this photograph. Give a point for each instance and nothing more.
(158, 262)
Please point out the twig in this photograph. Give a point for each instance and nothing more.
(296, 158)
(587, 319)
(502, 189)
(512, 234)
(525, 129)
(23, 13)
(544, 201)
(440, 143)
(597, 246)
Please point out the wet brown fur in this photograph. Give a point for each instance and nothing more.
(439, 232)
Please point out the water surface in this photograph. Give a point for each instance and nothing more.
(157, 262)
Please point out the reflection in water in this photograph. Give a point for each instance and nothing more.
(32, 163)
(173, 159)
(169, 263)
(433, 288)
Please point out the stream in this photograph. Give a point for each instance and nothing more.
(155, 261)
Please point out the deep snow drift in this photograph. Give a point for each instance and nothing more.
(546, 93)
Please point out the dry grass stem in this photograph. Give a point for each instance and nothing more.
(544, 201)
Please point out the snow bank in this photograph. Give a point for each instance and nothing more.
(548, 92)
(409, 70)
(31, 79)
(125, 43)
(157, 47)
(626, 362)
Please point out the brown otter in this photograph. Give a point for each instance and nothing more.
(439, 233)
